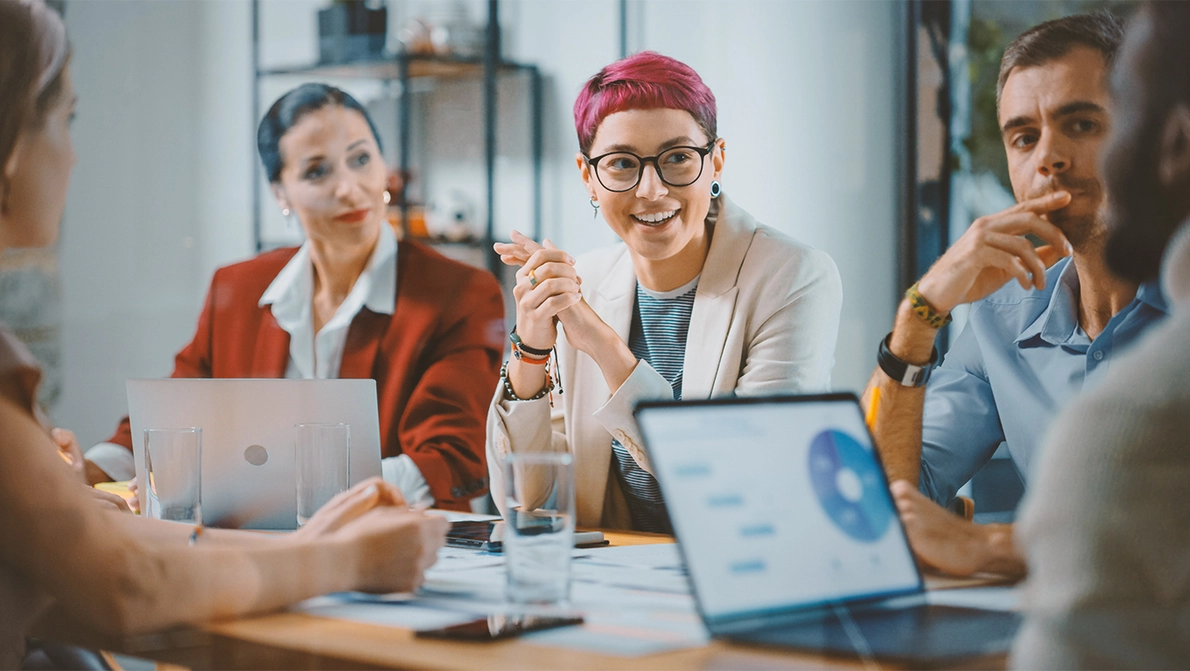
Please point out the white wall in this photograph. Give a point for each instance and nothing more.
(162, 192)
(159, 197)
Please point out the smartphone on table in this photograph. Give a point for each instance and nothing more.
(488, 536)
(496, 627)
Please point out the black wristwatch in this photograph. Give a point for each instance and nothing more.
(905, 373)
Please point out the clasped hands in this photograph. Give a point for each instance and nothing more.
(547, 291)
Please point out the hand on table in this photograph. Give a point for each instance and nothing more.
(944, 541)
(351, 504)
(994, 250)
(111, 501)
(72, 454)
(394, 547)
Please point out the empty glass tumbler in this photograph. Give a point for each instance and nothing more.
(173, 468)
(322, 465)
(538, 527)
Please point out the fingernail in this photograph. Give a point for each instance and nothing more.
(372, 490)
(570, 259)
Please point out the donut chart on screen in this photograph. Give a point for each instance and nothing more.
(847, 483)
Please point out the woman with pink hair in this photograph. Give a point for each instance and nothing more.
(700, 300)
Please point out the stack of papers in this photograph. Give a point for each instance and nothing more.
(635, 600)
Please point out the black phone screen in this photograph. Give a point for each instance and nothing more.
(495, 627)
(472, 535)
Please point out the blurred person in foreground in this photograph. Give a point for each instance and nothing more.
(353, 302)
(109, 570)
(1045, 322)
(700, 300)
(1107, 528)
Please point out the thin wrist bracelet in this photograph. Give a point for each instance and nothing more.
(519, 344)
(922, 308)
(529, 359)
(511, 395)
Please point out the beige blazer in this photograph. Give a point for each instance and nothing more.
(765, 321)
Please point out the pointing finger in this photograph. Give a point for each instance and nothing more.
(1047, 203)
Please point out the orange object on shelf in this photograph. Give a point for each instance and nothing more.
(415, 225)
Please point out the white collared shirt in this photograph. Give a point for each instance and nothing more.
(319, 355)
(290, 296)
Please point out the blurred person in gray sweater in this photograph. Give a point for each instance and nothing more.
(1107, 530)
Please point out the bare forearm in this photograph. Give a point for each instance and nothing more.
(162, 584)
(898, 431)
(173, 533)
(527, 380)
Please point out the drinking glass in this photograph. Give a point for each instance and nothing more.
(538, 527)
(173, 466)
(322, 465)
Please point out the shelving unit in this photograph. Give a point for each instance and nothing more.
(404, 68)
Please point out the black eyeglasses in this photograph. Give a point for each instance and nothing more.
(621, 171)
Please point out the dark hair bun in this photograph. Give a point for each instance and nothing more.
(289, 109)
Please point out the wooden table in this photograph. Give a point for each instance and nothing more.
(301, 641)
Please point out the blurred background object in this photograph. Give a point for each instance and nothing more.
(350, 30)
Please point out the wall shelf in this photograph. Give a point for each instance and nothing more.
(403, 68)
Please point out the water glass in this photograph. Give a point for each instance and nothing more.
(173, 468)
(538, 527)
(322, 465)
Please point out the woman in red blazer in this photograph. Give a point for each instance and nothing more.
(352, 303)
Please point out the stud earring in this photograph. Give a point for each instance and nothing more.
(290, 219)
(595, 208)
(388, 197)
(716, 189)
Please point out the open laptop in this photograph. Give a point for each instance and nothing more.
(248, 474)
(790, 536)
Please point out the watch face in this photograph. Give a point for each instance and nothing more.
(915, 376)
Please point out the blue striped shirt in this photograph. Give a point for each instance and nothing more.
(660, 323)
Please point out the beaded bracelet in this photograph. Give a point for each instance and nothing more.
(510, 395)
(922, 308)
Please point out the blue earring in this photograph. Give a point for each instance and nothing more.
(716, 189)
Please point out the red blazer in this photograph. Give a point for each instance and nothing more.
(436, 359)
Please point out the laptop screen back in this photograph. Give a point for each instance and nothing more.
(778, 503)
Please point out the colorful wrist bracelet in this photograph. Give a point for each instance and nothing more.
(511, 395)
(922, 308)
(519, 344)
(529, 359)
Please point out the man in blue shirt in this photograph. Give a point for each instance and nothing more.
(1031, 345)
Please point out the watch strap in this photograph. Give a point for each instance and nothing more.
(907, 374)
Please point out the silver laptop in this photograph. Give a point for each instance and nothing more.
(790, 536)
(243, 486)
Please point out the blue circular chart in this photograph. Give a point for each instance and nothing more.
(847, 482)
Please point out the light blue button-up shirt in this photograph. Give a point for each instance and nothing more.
(1021, 358)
